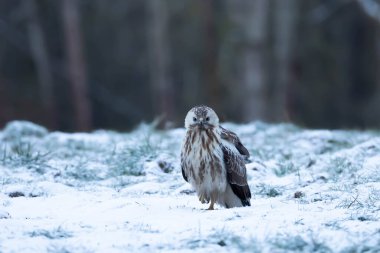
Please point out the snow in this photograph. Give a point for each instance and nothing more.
(313, 191)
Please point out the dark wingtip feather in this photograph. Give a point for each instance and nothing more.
(184, 175)
(243, 193)
(246, 202)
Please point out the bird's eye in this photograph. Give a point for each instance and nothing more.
(208, 119)
(194, 119)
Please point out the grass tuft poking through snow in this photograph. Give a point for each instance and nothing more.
(312, 191)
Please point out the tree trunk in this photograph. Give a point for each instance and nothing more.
(158, 43)
(41, 60)
(76, 65)
(372, 9)
(285, 14)
(210, 53)
(6, 110)
(252, 18)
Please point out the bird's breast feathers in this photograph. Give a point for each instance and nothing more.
(202, 159)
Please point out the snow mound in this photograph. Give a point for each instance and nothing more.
(15, 130)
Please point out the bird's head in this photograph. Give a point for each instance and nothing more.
(201, 117)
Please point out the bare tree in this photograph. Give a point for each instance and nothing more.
(284, 32)
(76, 64)
(6, 110)
(372, 9)
(210, 55)
(40, 56)
(161, 83)
(252, 18)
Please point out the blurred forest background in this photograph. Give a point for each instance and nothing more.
(77, 65)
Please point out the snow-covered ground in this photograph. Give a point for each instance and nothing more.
(313, 191)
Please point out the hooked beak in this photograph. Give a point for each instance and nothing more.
(202, 125)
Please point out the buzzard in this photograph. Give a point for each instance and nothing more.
(212, 160)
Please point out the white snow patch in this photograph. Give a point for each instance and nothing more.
(313, 191)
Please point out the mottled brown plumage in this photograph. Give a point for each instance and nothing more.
(212, 160)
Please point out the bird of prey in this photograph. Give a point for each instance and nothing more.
(212, 160)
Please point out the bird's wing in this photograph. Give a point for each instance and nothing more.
(183, 163)
(183, 170)
(237, 174)
(234, 139)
